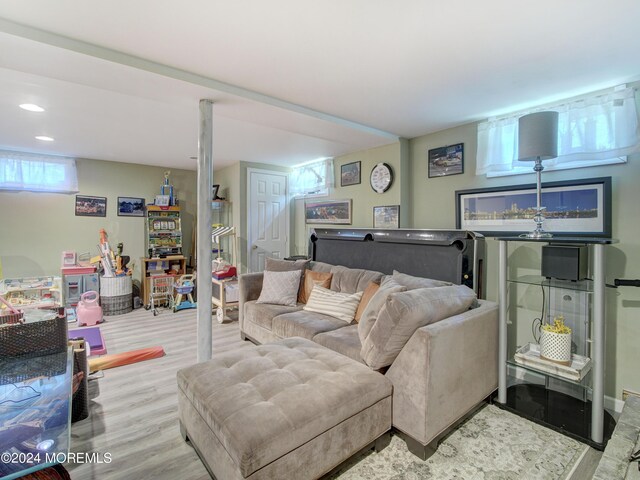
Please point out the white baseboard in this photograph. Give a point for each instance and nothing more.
(613, 406)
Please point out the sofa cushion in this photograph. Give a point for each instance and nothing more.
(367, 295)
(280, 288)
(320, 266)
(304, 324)
(312, 278)
(351, 280)
(263, 313)
(412, 282)
(343, 340)
(370, 313)
(336, 304)
(404, 312)
(263, 402)
(277, 265)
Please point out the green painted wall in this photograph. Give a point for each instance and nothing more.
(363, 196)
(37, 227)
(434, 207)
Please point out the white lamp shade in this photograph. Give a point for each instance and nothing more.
(538, 136)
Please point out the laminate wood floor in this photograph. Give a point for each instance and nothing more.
(134, 414)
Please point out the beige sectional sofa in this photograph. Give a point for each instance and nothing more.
(440, 371)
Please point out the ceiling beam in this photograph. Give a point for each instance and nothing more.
(42, 36)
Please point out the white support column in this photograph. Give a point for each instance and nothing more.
(503, 299)
(205, 185)
(597, 404)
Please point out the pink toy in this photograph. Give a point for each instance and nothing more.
(88, 311)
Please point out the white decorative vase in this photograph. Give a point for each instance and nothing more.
(555, 347)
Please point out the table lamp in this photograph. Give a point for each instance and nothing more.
(537, 141)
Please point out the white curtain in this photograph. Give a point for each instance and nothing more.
(312, 177)
(37, 173)
(596, 130)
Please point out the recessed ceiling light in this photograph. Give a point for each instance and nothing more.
(31, 107)
(44, 138)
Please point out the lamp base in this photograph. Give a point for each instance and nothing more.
(539, 219)
(537, 234)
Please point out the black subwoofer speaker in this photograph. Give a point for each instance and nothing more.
(565, 262)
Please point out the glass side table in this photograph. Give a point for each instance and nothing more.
(35, 413)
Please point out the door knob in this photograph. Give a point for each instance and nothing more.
(255, 247)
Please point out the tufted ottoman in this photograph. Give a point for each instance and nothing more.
(286, 410)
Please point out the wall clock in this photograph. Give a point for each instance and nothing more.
(381, 177)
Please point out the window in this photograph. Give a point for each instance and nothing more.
(37, 173)
(312, 179)
(595, 130)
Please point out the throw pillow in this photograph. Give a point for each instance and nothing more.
(312, 278)
(412, 282)
(277, 265)
(335, 304)
(404, 312)
(280, 288)
(370, 313)
(369, 292)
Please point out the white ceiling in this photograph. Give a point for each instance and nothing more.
(292, 80)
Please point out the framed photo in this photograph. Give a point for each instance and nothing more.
(214, 193)
(386, 216)
(330, 211)
(572, 208)
(87, 206)
(446, 161)
(130, 207)
(350, 174)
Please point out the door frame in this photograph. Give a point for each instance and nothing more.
(287, 207)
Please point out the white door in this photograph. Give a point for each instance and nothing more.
(268, 217)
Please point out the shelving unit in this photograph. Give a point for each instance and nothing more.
(163, 230)
(32, 292)
(221, 217)
(574, 406)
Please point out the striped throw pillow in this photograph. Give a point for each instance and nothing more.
(335, 304)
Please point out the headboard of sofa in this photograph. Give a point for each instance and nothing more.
(455, 256)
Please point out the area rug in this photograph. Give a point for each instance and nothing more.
(492, 445)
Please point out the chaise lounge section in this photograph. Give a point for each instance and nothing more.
(291, 409)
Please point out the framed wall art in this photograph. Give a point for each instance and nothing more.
(350, 174)
(87, 206)
(446, 161)
(386, 216)
(330, 211)
(130, 207)
(572, 208)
